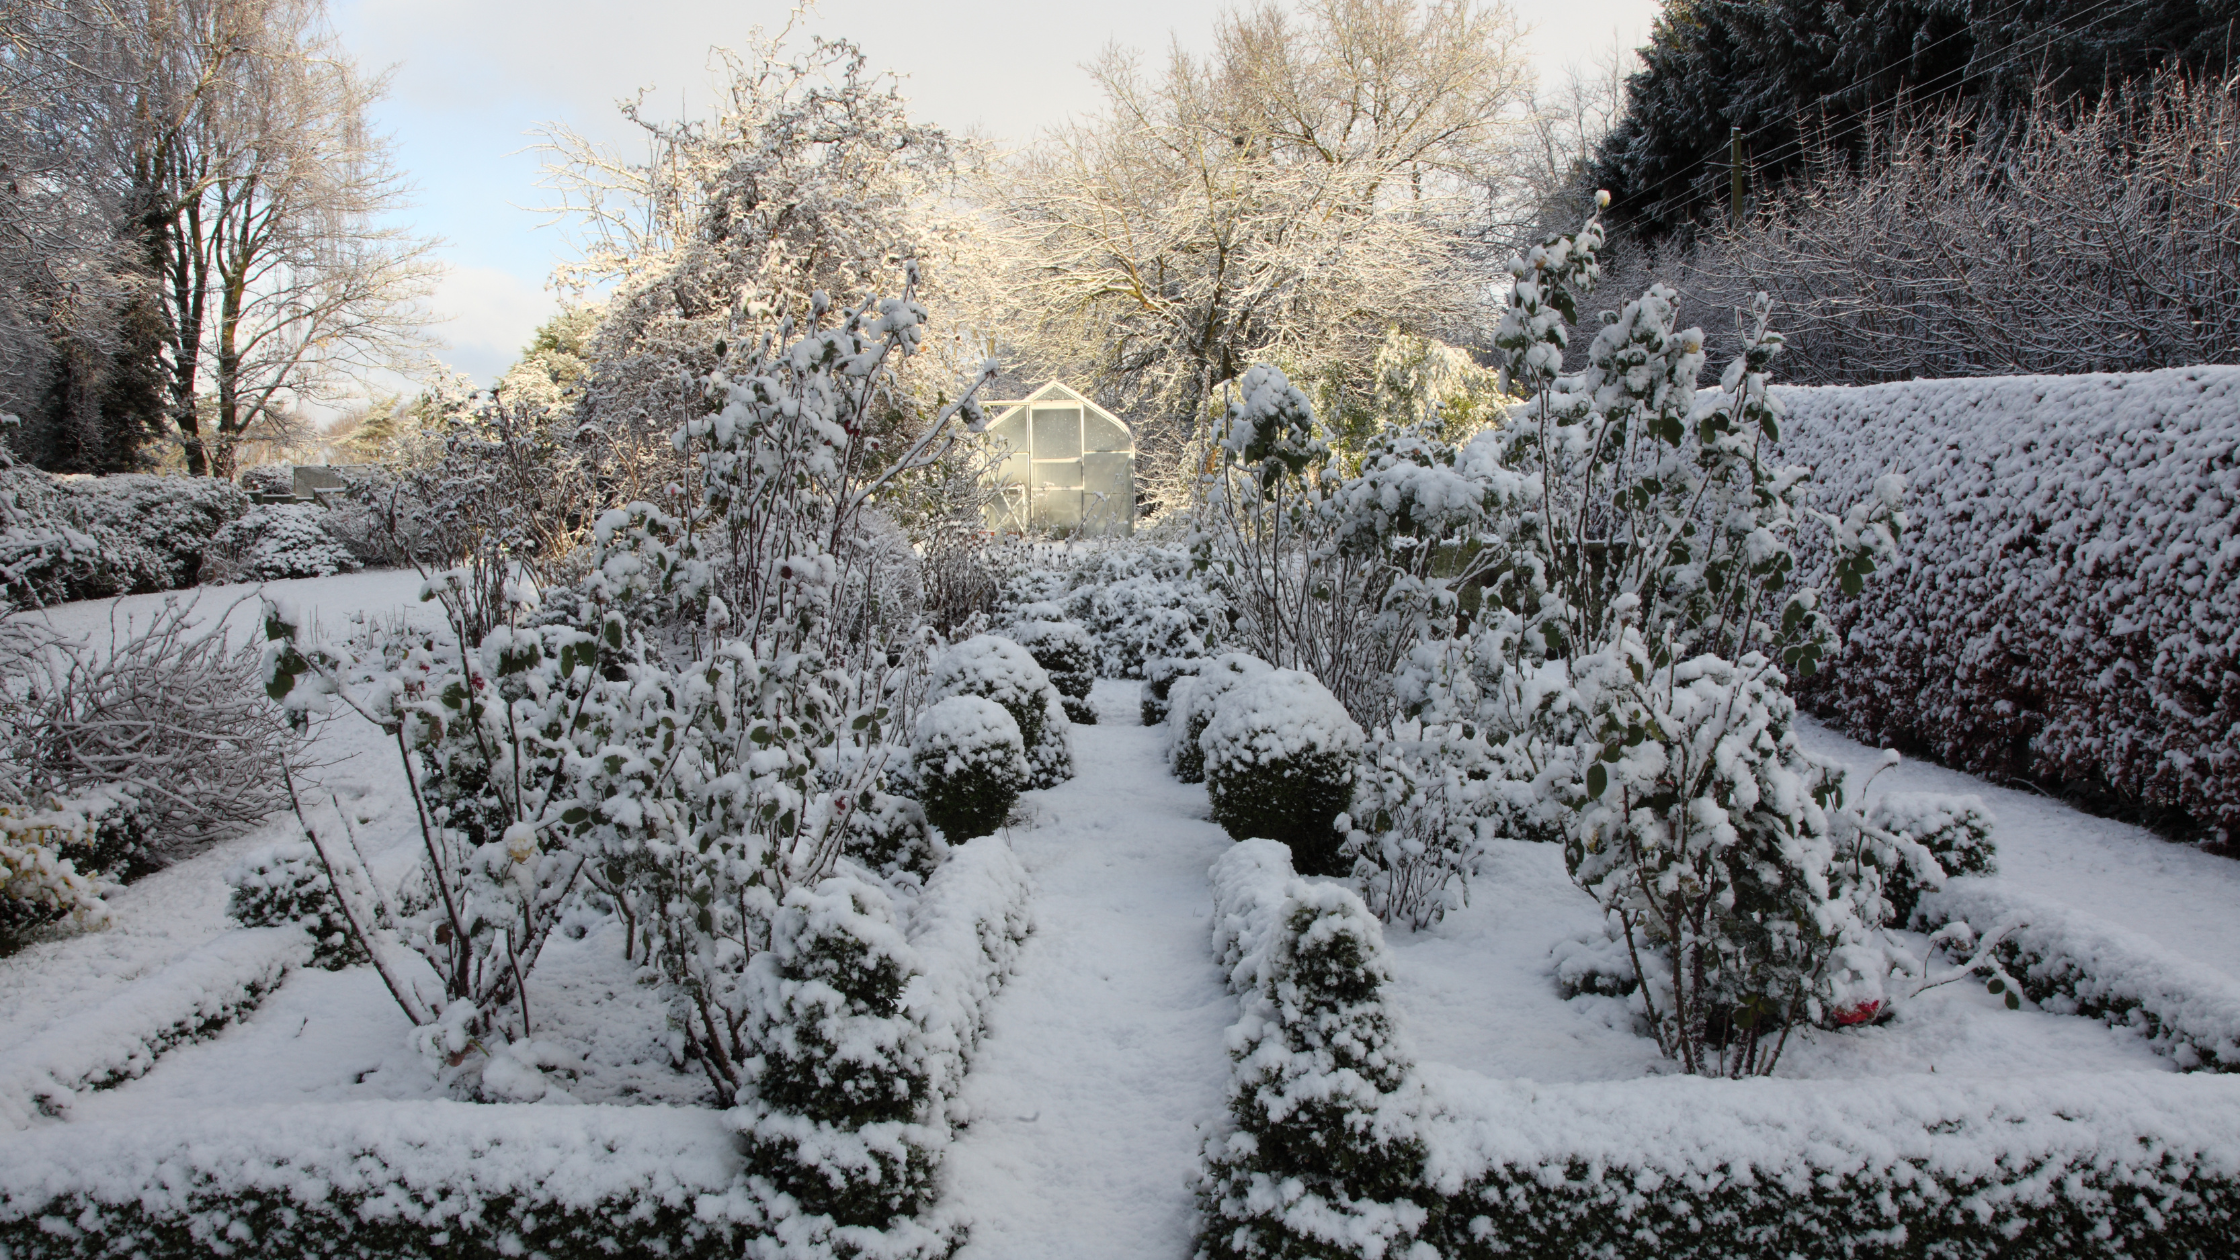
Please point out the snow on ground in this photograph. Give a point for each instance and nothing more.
(324, 1036)
(2172, 893)
(1104, 1054)
(1478, 991)
(1105, 1051)
(162, 916)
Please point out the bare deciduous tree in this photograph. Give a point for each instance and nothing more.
(1289, 198)
(809, 177)
(278, 279)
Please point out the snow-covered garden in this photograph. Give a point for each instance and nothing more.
(1415, 852)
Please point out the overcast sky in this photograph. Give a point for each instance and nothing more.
(473, 77)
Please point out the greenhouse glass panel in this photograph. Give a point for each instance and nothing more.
(1012, 432)
(1057, 509)
(1062, 473)
(1103, 435)
(1057, 433)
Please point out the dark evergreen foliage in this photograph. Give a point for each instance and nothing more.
(1796, 75)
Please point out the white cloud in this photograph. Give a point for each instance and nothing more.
(489, 315)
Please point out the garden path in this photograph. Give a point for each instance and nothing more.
(1105, 1052)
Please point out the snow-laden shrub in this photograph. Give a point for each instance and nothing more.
(888, 834)
(995, 668)
(1280, 755)
(1159, 678)
(279, 540)
(2068, 612)
(1423, 808)
(1318, 1155)
(863, 1038)
(1065, 653)
(1193, 701)
(1140, 602)
(840, 1082)
(40, 881)
(689, 720)
(93, 537)
(286, 885)
(1712, 844)
(1956, 830)
(161, 725)
(2069, 962)
(1642, 606)
(970, 766)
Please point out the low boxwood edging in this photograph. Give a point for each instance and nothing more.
(2073, 964)
(1437, 1162)
(196, 997)
(2133, 1165)
(378, 1179)
(467, 1181)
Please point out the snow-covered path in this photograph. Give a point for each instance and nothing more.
(1104, 1053)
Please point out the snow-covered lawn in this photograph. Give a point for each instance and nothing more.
(1104, 1055)
(1478, 990)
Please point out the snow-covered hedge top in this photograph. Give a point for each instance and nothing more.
(2068, 959)
(1276, 716)
(413, 1161)
(2068, 605)
(1248, 888)
(993, 667)
(964, 731)
(1635, 1137)
(1194, 697)
(966, 927)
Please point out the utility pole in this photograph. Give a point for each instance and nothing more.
(1738, 184)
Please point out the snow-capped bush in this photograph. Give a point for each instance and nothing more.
(1318, 1155)
(690, 720)
(2069, 962)
(161, 729)
(863, 1038)
(1280, 756)
(92, 537)
(840, 1081)
(888, 834)
(280, 540)
(1159, 678)
(1643, 604)
(1424, 805)
(970, 766)
(1140, 602)
(995, 668)
(40, 881)
(1066, 654)
(285, 885)
(2068, 606)
(1956, 830)
(1193, 699)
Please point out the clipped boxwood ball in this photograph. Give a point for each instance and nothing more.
(1279, 758)
(970, 766)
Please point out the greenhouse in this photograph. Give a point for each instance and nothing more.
(1069, 467)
